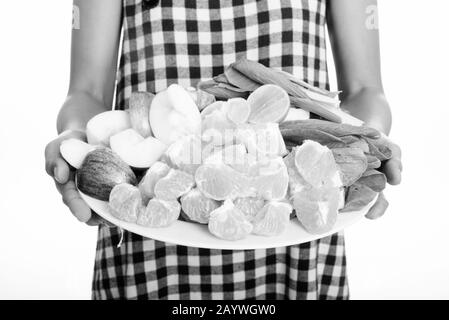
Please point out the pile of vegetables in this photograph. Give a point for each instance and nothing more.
(239, 153)
(245, 76)
(357, 151)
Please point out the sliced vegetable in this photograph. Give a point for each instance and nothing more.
(102, 170)
(174, 114)
(273, 219)
(159, 213)
(156, 172)
(74, 151)
(269, 103)
(316, 164)
(139, 112)
(104, 125)
(317, 209)
(239, 80)
(125, 202)
(237, 110)
(135, 150)
(197, 207)
(374, 179)
(229, 223)
(264, 75)
(338, 130)
(358, 197)
(352, 163)
(378, 149)
(299, 134)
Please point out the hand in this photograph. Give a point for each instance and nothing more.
(59, 170)
(392, 170)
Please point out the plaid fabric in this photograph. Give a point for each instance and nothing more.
(185, 41)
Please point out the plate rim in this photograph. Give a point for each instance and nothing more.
(220, 244)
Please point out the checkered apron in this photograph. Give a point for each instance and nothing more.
(185, 41)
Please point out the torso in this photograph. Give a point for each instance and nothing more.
(185, 41)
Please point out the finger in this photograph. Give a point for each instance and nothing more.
(397, 152)
(96, 220)
(51, 154)
(55, 165)
(61, 171)
(378, 209)
(72, 199)
(395, 149)
(52, 149)
(393, 171)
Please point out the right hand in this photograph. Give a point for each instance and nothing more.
(60, 171)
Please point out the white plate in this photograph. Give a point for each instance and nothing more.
(197, 235)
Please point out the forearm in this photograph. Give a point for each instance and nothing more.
(93, 63)
(77, 110)
(355, 46)
(370, 105)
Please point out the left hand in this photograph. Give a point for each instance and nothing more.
(393, 170)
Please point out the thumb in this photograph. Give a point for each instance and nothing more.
(379, 208)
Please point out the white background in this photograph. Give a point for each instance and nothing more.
(45, 253)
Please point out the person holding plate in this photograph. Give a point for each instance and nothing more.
(185, 41)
